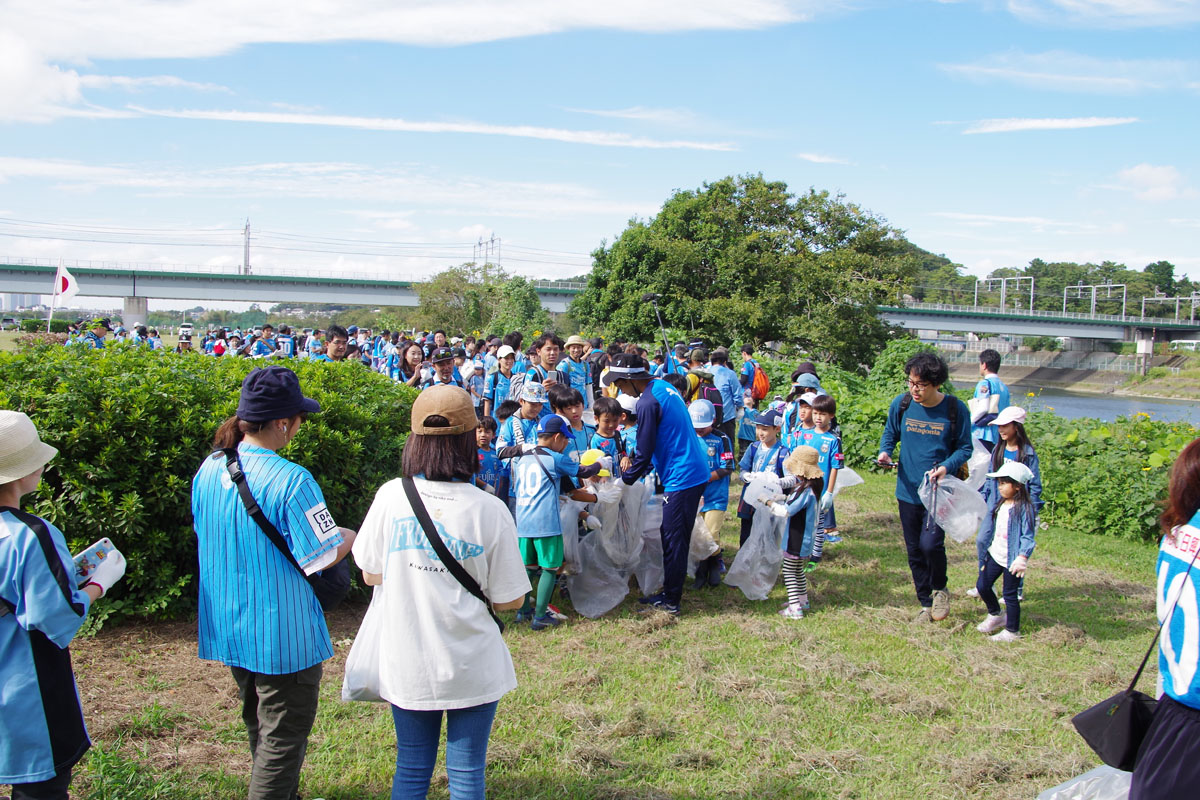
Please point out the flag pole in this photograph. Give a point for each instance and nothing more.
(54, 297)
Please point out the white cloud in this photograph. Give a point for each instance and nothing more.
(1154, 184)
(1185, 223)
(347, 183)
(1012, 124)
(151, 81)
(661, 116)
(1063, 71)
(1108, 13)
(396, 125)
(818, 158)
(1037, 223)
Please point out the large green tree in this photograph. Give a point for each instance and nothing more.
(460, 299)
(744, 259)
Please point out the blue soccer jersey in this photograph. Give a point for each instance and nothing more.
(609, 445)
(41, 727)
(1177, 649)
(719, 451)
(666, 439)
(829, 446)
(536, 478)
(491, 469)
(256, 610)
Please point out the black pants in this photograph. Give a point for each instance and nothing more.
(926, 546)
(730, 430)
(679, 516)
(51, 789)
(1167, 767)
(987, 579)
(279, 711)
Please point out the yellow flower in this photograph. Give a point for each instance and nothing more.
(1049, 408)
(537, 333)
(1031, 394)
(1145, 469)
(1141, 414)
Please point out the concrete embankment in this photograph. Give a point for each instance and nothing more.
(1076, 380)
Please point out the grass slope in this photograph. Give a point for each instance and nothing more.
(729, 701)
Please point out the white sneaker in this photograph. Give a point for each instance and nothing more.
(992, 623)
(792, 612)
(1005, 636)
(972, 592)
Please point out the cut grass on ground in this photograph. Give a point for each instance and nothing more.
(729, 701)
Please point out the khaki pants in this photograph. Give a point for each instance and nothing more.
(713, 520)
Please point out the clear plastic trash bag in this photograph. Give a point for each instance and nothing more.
(755, 568)
(955, 507)
(702, 546)
(620, 534)
(1102, 783)
(568, 516)
(649, 571)
(609, 556)
(978, 465)
(846, 478)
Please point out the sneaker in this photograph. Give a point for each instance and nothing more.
(662, 605)
(992, 623)
(554, 612)
(542, 623)
(651, 599)
(941, 605)
(792, 612)
(1005, 636)
(832, 538)
(972, 592)
(525, 616)
(1021, 596)
(923, 617)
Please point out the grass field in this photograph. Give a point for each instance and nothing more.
(729, 701)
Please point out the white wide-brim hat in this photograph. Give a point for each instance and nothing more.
(1010, 414)
(21, 450)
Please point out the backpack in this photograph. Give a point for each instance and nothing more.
(760, 387)
(906, 401)
(598, 361)
(515, 384)
(706, 391)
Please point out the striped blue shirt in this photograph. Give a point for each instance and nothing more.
(256, 610)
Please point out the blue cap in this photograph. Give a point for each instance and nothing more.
(769, 419)
(273, 393)
(553, 424)
(352, 329)
(807, 380)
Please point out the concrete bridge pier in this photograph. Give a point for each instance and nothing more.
(134, 311)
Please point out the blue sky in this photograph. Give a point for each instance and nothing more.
(395, 134)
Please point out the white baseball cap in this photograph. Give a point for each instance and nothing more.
(1014, 471)
(1010, 414)
(505, 350)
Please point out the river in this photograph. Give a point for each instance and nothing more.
(1073, 405)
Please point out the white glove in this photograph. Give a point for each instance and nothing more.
(779, 509)
(109, 571)
(747, 477)
(528, 447)
(605, 463)
(1018, 566)
(826, 502)
(592, 522)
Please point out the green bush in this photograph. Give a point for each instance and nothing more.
(39, 325)
(133, 425)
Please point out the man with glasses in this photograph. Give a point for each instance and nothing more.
(934, 433)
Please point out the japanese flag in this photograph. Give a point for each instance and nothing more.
(65, 285)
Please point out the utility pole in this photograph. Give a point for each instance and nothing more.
(482, 251)
(246, 249)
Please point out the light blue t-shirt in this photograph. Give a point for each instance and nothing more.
(988, 386)
(535, 478)
(1178, 659)
(256, 610)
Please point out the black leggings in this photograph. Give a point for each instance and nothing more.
(987, 579)
(52, 789)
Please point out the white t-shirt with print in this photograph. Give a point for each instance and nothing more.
(999, 546)
(441, 649)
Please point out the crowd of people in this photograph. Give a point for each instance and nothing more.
(502, 437)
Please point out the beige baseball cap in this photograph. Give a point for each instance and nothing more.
(21, 449)
(446, 401)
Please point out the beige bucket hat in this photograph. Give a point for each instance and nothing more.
(21, 450)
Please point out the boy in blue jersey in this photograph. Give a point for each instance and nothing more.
(765, 455)
(493, 473)
(578, 370)
(475, 384)
(521, 428)
(629, 427)
(667, 442)
(797, 422)
(715, 502)
(607, 438)
(537, 471)
(285, 345)
(568, 404)
(991, 397)
(829, 445)
(746, 428)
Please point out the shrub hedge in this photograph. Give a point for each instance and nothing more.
(132, 426)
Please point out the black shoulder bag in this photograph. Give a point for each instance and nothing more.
(329, 585)
(1114, 728)
(449, 561)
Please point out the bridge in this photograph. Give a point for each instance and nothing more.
(142, 282)
(1026, 322)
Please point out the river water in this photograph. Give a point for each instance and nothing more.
(1073, 405)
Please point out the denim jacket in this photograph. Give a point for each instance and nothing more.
(1029, 458)
(1022, 525)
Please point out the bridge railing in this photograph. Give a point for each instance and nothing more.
(273, 272)
(1130, 319)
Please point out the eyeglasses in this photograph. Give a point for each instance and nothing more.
(918, 385)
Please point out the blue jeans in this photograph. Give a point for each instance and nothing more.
(417, 733)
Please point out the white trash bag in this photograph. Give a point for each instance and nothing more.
(620, 533)
(600, 586)
(955, 507)
(702, 546)
(649, 571)
(846, 478)
(755, 568)
(978, 465)
(362, 680)
(1101, 783)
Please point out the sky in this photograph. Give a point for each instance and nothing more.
(390, 137)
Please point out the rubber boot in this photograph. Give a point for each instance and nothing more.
(701, 575)
(716, 568)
